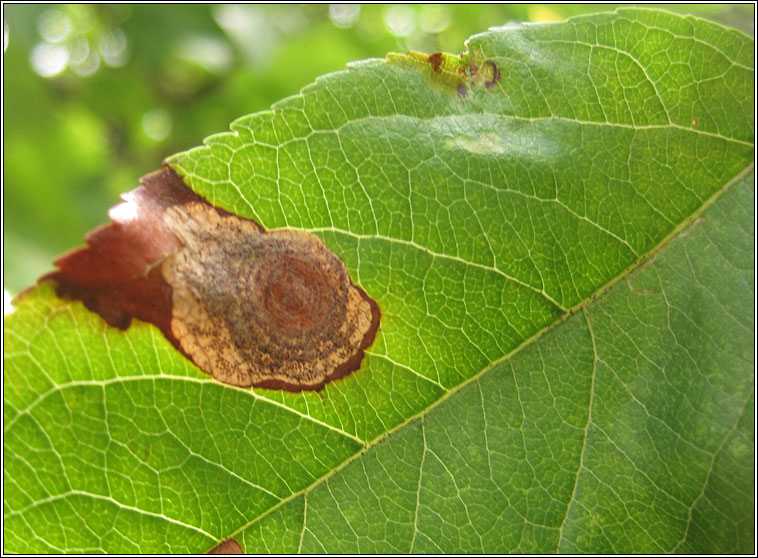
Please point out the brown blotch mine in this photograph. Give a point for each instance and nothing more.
(229, 546)
(253, 308)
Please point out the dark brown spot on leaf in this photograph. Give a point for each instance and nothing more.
(436, 61)
(253, 308)
(229, 546)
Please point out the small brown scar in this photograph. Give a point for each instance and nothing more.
(691, 228)
(639, 291)
(229, 546)
(495, 75)
(694, 122)
(436, 61)
(272, 309)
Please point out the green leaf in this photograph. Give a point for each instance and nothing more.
(563, 258)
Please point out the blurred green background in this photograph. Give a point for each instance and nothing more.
(95, 96)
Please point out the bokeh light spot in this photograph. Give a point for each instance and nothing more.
(49, 60)
(157, 124)
(82, 58)
(210, 53)
(78, 51)
(435, 18)
(344, 15)
(253, 35)
(53, 25)
(112, 47)
(400, 20)
(88, 65)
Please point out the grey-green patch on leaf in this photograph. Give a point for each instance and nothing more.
(476, 222)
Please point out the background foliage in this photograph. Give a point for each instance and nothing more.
(97, 96)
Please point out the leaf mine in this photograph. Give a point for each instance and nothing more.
(451, 72)
(252, 308)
